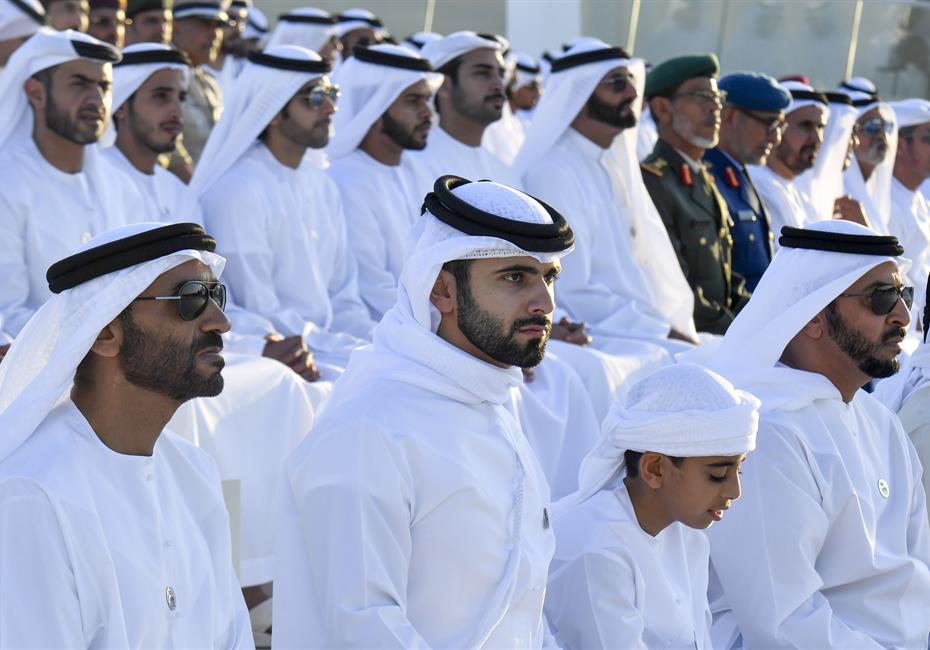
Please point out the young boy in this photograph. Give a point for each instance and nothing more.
(630, 570)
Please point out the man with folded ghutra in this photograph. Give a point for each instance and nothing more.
(830, 546)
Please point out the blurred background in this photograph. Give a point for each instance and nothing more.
(887, 41)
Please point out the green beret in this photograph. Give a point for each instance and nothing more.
(134, 7)
(667, 76)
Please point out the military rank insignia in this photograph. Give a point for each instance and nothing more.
(684, 174)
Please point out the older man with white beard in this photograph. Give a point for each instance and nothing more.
(830, 545)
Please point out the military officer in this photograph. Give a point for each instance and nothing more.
(685, 103)
(752, 122)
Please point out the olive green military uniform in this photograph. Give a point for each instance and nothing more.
(698, 224)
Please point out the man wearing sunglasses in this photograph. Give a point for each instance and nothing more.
(830, 544)
(280, 217)
(108, 518)
(910, 209)
(686, 103)
(868, 178)
(751, 125)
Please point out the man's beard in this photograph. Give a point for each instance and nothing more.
(316, 137)
(601, 111)
(57, 122)
(875, 153)
(167, 366)
(686, 130)
(486, 332)
(863, 352)
(142, 136)
(403, 138)
(481, 112)
(800, 162)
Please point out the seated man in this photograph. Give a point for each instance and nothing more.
(630, 571)
(417, 479)
(830, 547)
(114, 531)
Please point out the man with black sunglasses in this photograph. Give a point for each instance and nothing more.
(685, 102)
(751, 124)
(278, 216)
(109, 519)
(830, 547)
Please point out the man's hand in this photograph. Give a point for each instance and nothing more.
(293, 353)
(848, 208)
(3, 350)
(570, 332)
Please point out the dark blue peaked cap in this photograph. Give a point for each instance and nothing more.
(754, 91)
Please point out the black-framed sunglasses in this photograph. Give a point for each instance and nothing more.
(193, 297)
(618, 83)
(323, 91)
(773, 125)
(883, 298)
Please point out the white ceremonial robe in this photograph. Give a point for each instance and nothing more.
(857, 187)
(786, 204)
(107, 550)
(380, 205)
(829, 545)
(45, 215)
(910, 223)
(160, 195)
(414, 512)
(504, 137)
(283, 234)
(613, 585)
(601, 283)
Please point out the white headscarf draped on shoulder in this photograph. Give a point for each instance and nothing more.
(20, 18)
(39, 368)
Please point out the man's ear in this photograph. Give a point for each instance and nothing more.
(445, 90)
(816, 327)
(443, 293)
(35, 93)
(652, 469)
(121, 112)
(109, 340)
(661, 108)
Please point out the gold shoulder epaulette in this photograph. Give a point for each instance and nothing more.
(652, 169)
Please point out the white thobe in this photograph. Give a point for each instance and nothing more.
(828, 546)
(159, 195)
(855, 185)
(601, 283)
(414, 513)
(106, 550)
(910, 223)
(613, 585)
(504, 137)
(45, 215)
(785, 203)
(380, 205)
(283, 233)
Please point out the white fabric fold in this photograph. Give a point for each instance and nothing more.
(15, 23)
(312, 36)
(40, 365)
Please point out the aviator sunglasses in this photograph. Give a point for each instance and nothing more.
(882, 299)
(318, 93)
(192, 297)
(875, 126)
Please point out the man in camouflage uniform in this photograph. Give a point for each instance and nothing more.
(685, 103)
